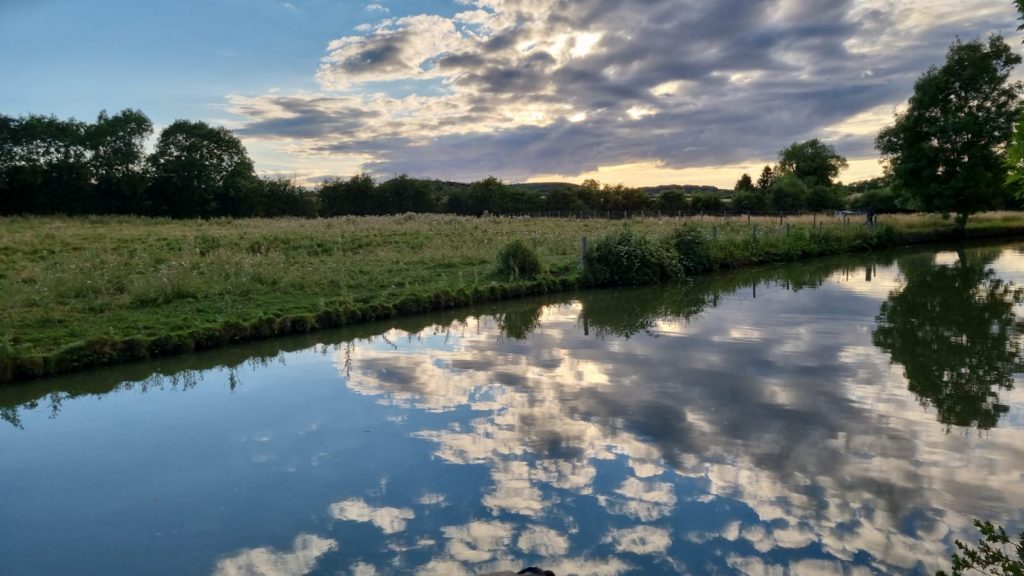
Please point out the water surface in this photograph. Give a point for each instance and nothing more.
(848, 415)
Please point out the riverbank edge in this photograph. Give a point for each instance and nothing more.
(105, 351)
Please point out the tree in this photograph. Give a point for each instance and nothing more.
(956, 332)
(201, 171)
(813, 162)
(117, 146)
(487, 195)
(353, 196)
(750, 202)
(823, 199)
(707, 202)
(44, 166)
(563, 198)
(282, 197)
(404, 194)
(990, 557)
(767, 178)
(1019, 4)
(946, 150)
(744, 183)
(788, 193)
(672, 201)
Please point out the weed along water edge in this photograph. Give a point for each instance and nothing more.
(843, 415)
(82, 292)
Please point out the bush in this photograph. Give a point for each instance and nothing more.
(628, 258)
(692, 249)
(996, 553)
(517, 261)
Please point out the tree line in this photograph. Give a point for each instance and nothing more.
(64, 166)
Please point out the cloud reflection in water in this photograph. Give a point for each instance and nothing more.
(773, 423)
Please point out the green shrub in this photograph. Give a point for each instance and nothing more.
(692, 249)
(996, 553)
(628, 259)
(517, 261)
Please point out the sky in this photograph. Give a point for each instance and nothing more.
(639, 92)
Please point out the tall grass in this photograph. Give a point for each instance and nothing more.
(83, 291)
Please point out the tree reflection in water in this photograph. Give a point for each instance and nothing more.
(955, 331)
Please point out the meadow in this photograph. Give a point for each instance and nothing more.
(86, 291)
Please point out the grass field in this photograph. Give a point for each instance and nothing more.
(86, 291)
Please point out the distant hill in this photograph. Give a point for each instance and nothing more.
(684, 188)
(543, 186)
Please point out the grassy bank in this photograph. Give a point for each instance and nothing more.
(81, 292)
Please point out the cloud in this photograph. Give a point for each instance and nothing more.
(854, 470)
(306, 549)
(523, 87)
(389, 520)
(640, 540)
(542, 541)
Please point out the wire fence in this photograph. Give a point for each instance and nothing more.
(844, 217)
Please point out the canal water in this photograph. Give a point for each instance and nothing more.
(849, 415)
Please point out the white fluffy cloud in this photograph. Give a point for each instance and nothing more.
(306, 549)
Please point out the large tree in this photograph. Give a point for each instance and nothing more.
(117, 162)
(199, 170)
(946, 150)
(813, 162)
(44, 166)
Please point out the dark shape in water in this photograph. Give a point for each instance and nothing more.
(954, 330)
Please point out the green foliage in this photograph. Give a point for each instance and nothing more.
(282, 197)
(823, 199)
(996, 554)
(353, 196)
(44, 166)
(945, 150)
(118, 161)
(692, 249)
(201, 171)
(813, 162)
(672, 201)
(744, 183)
(880, 200)
(767, 178)
(404, 194)
(518, 261)
(750, 202)
(704, 202)
(488, 195)
(788, 193)
(628, 258)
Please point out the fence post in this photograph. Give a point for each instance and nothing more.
(583, 253)
(787, 228)
(748, 218)
(753, 232)
(714, 232)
